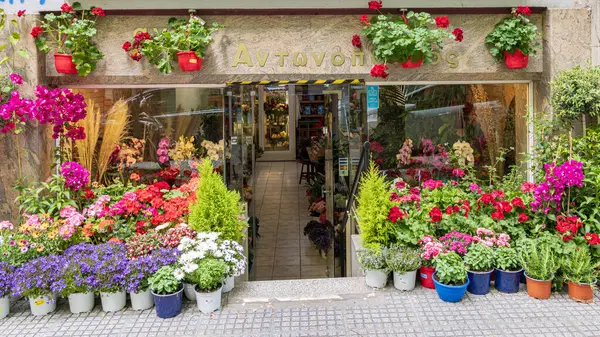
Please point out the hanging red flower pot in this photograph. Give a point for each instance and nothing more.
(410, 64)
(64, 64)
(518, 60)
(189, 61)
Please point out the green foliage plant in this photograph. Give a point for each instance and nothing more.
(71, 32)
(373, 259)
(480, 258)
(46, 197)
(163, 282)
(402, 259)
(578, 267)
(210, 274)
(539, 260)
(507, 259)
(216, 209)
(450, 269)
(513, 32)
(576, 92)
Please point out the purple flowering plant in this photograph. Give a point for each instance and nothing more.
(6, 278)
(141, 268)
(76, 176)
(112, 267)
(77, 274)
(39, 277)
(457, 242)
(554, 191)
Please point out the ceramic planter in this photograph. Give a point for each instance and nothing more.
(507, 281)
(142, 300)
(479, 282)
(113, 301)
(410, 64)
(405, 281)
(228, 284)
(518, 60)
(449, 293)
(188, 290)
(168, 306)
(376, 278)
(189, 61)
(42, 305)
(580, 292)
(540, 289)
(4, 306)
(426, 277)
(208, 302)
(81, 302)
(64, 64)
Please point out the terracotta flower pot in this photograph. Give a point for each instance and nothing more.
(518, 60)
(64, 64)
(189, 61)
(410, 64)
(583, 292)
(540, 289)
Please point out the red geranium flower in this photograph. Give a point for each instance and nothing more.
(36, 31)
(400, 185)
(458, 33)
(518, 202)
(442, 21)
(379, 70)
(376, 5)
(98, 11)
(523, 10)
(356, 42)
(396, 214)
(89, 194)
(66, 8)
(126, 46)
(523, 217)
(498, 215)
(21, 13)
(365, 20)
(435, 214)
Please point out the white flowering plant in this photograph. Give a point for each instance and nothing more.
(464, 152)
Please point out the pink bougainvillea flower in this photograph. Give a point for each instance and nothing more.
(16, 78)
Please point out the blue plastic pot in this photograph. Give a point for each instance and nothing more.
(508, 281)
(523, 279)
(168, 306)
(479, 282)
(450, 293)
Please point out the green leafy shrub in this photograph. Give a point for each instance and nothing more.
(210, 274)
(512, 33)
(576, 92)
(164, 282)
(402, 259)
(217, 209)
(370, 259)
(450, 269)
(539, 260)
(480, 258)
(507, 259)
(578, 267)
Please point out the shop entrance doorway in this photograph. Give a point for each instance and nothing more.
(292, 146)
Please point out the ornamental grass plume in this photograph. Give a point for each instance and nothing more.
(86, 148)
(115, 130)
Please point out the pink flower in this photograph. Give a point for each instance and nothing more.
(528, 187)
(6, 225)
(16, 78)
(432, 184)
(458, 173)
(475, 188)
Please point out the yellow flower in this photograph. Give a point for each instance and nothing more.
(44, 226)
(52, 234)
(40, 248)
(35, 234)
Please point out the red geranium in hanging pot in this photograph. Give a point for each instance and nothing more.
(412, 64)
(64, 64)
(189, 61)
(514, 39)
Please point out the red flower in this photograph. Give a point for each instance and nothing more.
(365, 20)
(126, 46)
(593, 239)
(442, 21)
(21, 13)
(503, 206)
(528, 187)
(498, 215)
(141, 36)
(498, 194)
(376, 147)
(486, 198)
(400, 185)
(379, 70)
(449, 210)
(518, 202)
(66, 8)
(376, 5)
(523, 217)
(396, 214)
(458, 33)
(435, 214)
(98, 11)
(356, 42)
(136, 56)
(89, 194)
(36, 31)
(458, 173)
(522, 10)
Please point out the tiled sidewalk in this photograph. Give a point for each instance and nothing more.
(379, 313)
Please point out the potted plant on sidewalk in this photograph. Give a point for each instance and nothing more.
(450, 277)
(208, 279)
(514, 39)
(167, 291)
(508, 270)
(78, 277)
(579, 270)
(111, 272)
(6, 278)
(404, 263)
(70, 35)
(372, 263)
(540, 266)
(430, 248)
(480, 265)
(233, 256)
(38, 280)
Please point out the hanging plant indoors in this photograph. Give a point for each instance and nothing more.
(514, 39)
(185, 39)
(409, 39)
(70, 35)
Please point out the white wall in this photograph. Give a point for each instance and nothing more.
(31, 6)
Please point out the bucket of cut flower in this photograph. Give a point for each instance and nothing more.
(508, 270)
(404, 263)
(480, 265)
(167, 291)
(37, 279)
(450, 277)
(578, 269)
(540, 264)
(373, 264)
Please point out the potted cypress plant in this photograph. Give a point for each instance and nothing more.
(540, 266)
(6, 277)
(70, 34)
(372, 263)
(480, 265)
(167, 291)
(208, 279)
(404, 262)
(514, 38)
(38, 279)
(508, 270)
(78, 277)
(450, 277)
(579, 270)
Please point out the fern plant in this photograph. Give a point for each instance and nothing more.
(373, 207)
(217, 209)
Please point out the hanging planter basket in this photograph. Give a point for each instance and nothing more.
(410, 64)
(518, 60)
(189, 61)
(64, 64)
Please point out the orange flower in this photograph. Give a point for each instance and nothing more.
(104, 225)
(117, 240)
(88, 230)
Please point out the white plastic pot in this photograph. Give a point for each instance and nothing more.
(142, 300)
(113, 301)
(209, 302)
(189, 292)
(405, 281)
(81, 302)
(4, 306)
(376, 278)
(42, 305)
(228, 284)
